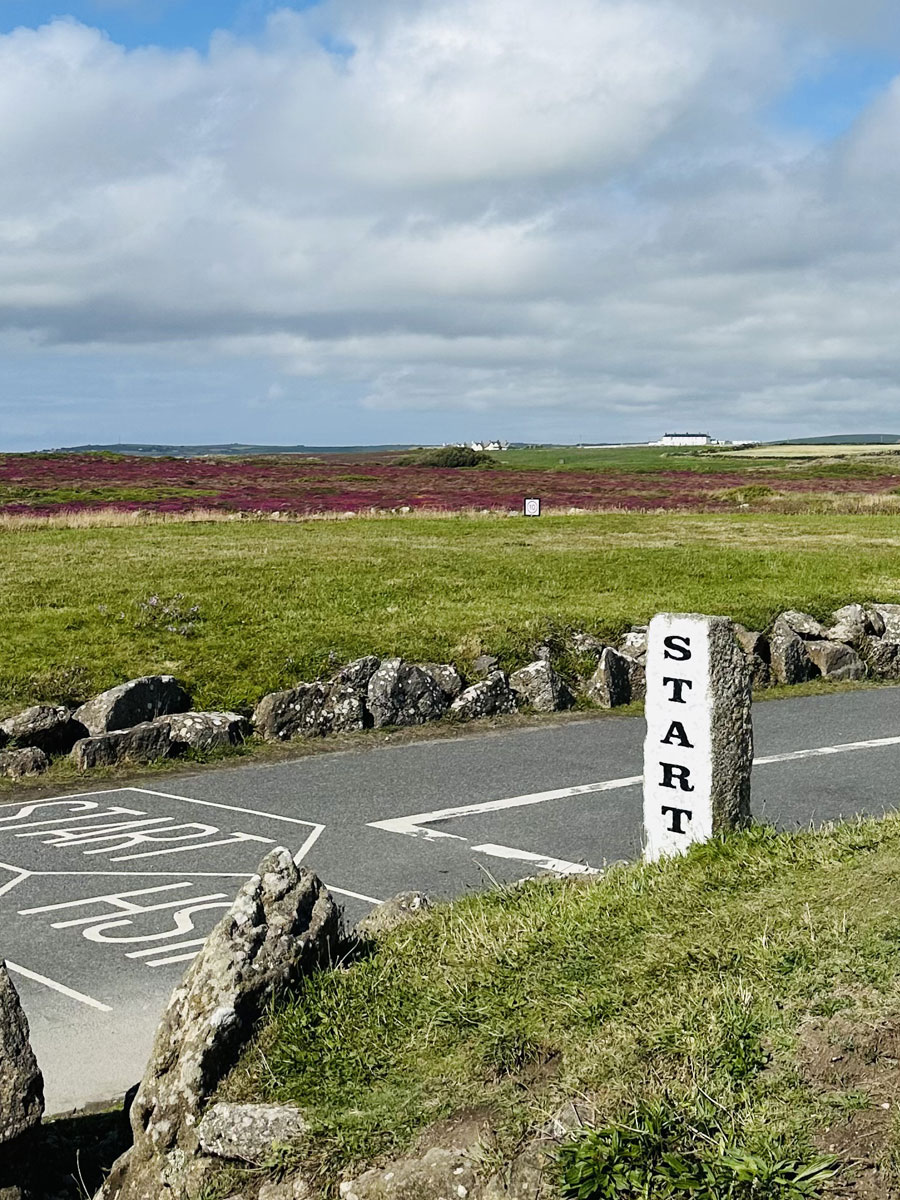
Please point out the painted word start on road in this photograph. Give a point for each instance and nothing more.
(111, 832)
(697, 690)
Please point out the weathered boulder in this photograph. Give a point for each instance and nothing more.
(289, 713)
(790, 662)
(445, 676)
(634, 643)
(21, 1082)
(883, 658)
(16, 764)
(836, 660)
(610, 685)
(47, 727)
(399, 910)
(803, 624)
(204, 730)
(282, 925)
(637, 676)
(440, 1174)
(889, 615)
(141, 744)
(401, 693)
(460, 1170)
(485, 664)
(540, 687)
(249, 1131)
(133, 703)
(357, 673)
(853, 624)
(756, 651)
(585, 643)
(490, 697)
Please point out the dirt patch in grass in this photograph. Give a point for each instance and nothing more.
(854, 1063)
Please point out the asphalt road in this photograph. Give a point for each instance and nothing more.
(106, 896)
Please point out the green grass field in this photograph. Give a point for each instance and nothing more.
(279, 602)
(728, 1008)
(806, 462)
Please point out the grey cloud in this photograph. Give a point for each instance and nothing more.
(482, 208)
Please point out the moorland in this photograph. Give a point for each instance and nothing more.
(231, 575)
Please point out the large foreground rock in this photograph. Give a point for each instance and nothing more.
(401, 693)
(490, 697)
(46, 727)
(540, 687)
(21, 1082)
(790, 661)
(133, 703)
(282, 924)
(835, 660)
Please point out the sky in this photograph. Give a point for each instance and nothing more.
(378, 221)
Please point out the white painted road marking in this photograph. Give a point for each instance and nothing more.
(559, 865)
(417, 823)
(840, 748)
(413, 825)
(57, 987)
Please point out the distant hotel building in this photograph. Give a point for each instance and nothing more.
(684, 439)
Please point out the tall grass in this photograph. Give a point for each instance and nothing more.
(280, 600)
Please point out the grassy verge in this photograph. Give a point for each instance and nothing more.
(742, 1000)
(246, 608)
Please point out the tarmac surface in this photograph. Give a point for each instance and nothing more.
(106, 896)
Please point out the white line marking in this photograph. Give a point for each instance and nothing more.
(163, 887)
(21, 876)
(353, 895)
(413, 825)
(233, 840)
(559, 865)
(253, 812)
(175, 958)
(69, 796)
(57, 987)
(308, 844)
(194, 944)
(840, 748)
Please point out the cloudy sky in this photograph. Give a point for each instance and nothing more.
(360, 221)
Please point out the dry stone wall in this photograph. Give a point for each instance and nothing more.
(150, 718)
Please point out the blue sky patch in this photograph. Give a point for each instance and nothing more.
(174, 24)
(827, 102)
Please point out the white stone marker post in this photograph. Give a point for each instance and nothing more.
(699, 746)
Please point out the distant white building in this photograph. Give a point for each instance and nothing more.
(495, 445)
(684, 439)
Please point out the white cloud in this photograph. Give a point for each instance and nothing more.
(569, 208)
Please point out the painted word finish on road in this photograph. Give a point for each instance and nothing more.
(699, 745)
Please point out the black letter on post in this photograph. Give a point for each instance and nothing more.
(677, 814)
(671, 772)
(677, 730)
(673, 650)
(678, 686)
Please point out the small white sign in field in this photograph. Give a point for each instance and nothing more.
(532, 507)
(699, 745)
